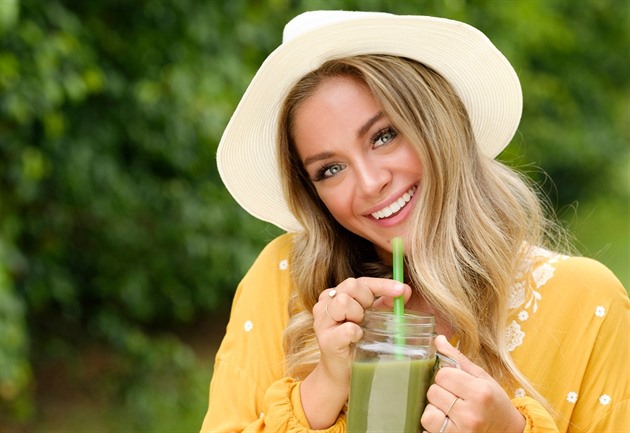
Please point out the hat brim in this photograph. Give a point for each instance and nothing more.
(482, 77)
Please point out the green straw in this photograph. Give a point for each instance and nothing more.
(399, 302)
(397, 247)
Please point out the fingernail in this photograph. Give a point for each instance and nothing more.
(399, 287)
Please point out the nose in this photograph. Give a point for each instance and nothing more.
(372, 178)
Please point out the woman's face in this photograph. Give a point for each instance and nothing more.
(363, 170)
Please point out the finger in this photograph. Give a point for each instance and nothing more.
(342, 308)
(432, 418)
(388, 301)
(345, 307)
(442, 399)
(336, 341)
(320, 318)
(444, 347)
(327, 294)
(384, 286)
(471, 382)
(366, 289)
(353, 287)
(350, 332)
(385, 290)
(345, 302)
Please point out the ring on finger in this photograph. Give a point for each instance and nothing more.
(451, 406)
(444, 425)
(332, 293)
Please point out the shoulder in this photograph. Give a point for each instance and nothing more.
(586, 277)
(273, 259)
(553, 272)
(554, 282)
(261, 299)
(278, 248)
(268, 279)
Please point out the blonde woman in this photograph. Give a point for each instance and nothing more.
(362, 127)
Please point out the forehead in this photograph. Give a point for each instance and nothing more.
(339, 113)
(335, 98)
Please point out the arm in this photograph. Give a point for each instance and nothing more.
(280, 406)
(249, 392)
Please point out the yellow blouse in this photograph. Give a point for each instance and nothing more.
(568, 334)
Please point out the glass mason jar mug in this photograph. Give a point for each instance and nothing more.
(392, 369)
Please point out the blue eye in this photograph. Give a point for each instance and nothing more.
(327, 171)
(332, 170)
(383, 136)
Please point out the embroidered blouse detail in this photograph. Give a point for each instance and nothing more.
(536, 269)
(248, 326)
(514, 336)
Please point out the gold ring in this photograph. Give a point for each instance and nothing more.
(444, 425)
(451, 406)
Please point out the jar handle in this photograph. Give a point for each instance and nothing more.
(446, 361)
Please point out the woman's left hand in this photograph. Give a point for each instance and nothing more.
(472, 399)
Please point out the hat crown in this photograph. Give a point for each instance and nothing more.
(313, 20)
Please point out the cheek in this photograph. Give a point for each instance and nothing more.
(412, 161)
(338, 204)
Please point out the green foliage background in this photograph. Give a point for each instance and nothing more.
(115, 229)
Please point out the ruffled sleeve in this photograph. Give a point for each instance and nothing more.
(283, 404)
(248, 391)
(537, 419)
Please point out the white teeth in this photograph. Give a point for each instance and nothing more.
(395, 206)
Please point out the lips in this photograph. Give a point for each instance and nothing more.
(396, 206)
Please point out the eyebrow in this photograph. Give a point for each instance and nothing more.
(318, 157)
(367, 125)
(360, 132)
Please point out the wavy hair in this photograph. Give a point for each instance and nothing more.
(472, 217)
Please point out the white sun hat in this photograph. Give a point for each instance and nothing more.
(482, 77)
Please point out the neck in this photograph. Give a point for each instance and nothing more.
(419, 304)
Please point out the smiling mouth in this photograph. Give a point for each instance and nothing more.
(396, 206)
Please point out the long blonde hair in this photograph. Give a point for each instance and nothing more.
(472, 217)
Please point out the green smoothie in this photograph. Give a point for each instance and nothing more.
(388, 396)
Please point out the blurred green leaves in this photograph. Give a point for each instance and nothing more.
(114, 225)
(15, 371)
(109, 117)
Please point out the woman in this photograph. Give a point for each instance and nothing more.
(362, 127)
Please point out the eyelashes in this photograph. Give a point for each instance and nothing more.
(383, 136)
(327, 171)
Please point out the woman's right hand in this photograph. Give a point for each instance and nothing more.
(337, 316)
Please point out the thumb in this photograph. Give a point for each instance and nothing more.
(445, 348)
